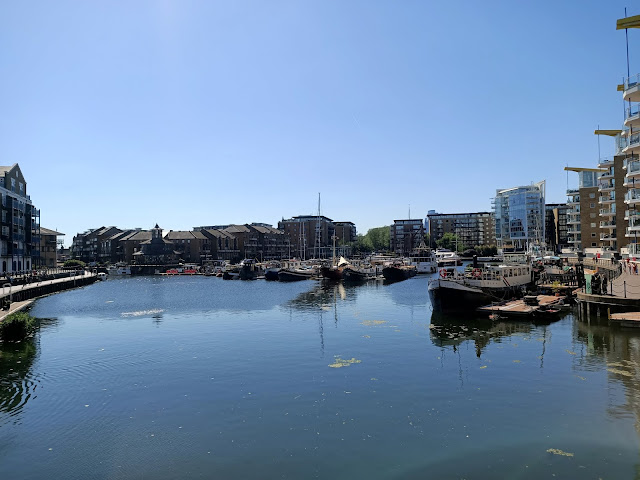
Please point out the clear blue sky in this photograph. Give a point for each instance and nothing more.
(187, 113)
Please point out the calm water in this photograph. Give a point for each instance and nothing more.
(199, 377)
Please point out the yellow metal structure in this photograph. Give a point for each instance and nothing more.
(611, 133)
(628, 22)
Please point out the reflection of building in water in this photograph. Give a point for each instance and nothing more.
(447, 330)
(619, 349)
(324, 296)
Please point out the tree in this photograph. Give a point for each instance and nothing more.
(449, 241)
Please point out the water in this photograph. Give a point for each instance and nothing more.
(191, 377)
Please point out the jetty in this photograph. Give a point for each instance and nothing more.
(627, 319)
(522, 307)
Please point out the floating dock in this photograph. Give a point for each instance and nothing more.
(628, 319)
(519, 307)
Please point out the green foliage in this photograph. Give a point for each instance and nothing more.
(448, 241)
(17, 326)
(376, 240)
(74, 263)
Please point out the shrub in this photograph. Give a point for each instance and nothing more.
(17, 326)
(74, 263)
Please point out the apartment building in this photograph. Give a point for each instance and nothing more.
(555, 218)
(310, 235)
(20, 223)
(519, 217)
(472, 229)
(87, 246)
(406, 235)
(49, 247)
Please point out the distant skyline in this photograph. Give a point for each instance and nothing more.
(204, 113)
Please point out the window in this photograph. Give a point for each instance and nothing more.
(592, 195)
(592, 205)
(593, 225)
(593, 244)
(592, 215)
(593, 234)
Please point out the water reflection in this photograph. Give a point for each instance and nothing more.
(17, 385)
(324, 296)
(449, 330)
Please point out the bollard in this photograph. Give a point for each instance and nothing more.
(625, 289)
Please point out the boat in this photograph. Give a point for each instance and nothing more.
(250, 269)
(358, 274)
(271, 270)
(423, 258)
(119, 268)
(230, 272)
(396, 272)
(334, 271)
(102, 276)
(447, 258)
(295, 274)
(464, 291)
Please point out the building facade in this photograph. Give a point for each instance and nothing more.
(555, 217)
(310, 235)
(49, 247)
(406, 235)
(20, 223)
(519, 217)
(472, 229)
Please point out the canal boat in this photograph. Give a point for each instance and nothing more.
(334, 271)
(463, 291)
(358, 273)
(396, 272)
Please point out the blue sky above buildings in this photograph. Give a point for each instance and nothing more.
(197, 113)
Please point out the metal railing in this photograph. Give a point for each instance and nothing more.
(632, 81)
(632, 111)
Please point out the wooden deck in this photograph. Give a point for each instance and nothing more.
(519, 308)
(627, 319)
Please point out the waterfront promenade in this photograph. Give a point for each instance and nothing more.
(38, 288)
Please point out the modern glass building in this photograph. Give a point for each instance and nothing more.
(519, 217)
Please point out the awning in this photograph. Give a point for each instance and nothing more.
(628, 22)
(611, 133)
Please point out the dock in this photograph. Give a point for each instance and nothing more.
(519, 307)
(627, 319)
(15, 307)
(17, 294)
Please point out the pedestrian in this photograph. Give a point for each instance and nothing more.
(604, 285)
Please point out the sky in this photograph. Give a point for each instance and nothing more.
(188, 113)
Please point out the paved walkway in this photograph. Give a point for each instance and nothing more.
(626, 285)
(7, 290)
(15, 307)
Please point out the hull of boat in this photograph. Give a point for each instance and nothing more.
(396, 274)
(293, 276)
(271, 275)
(354, 276)
(230, 275)
(450, 296)
(332, 273)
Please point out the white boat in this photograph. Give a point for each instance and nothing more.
(423, 259)
(455, 290)
(102, 276)
(119, 268)
(447, 258)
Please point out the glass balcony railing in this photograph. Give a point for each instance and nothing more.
(634, 140)
(632, 195)
(632, 111)
(632, 81)
(633, 166)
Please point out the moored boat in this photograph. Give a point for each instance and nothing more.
(397, 272)
(423, 258)
(358, 274)
(458, 291)
(295, 274)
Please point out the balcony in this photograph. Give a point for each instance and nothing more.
(605, 163)
(634, 224)
(632, 196)
(574, 230)
(573, 220)
(608, 237)
(574, 240)
(631, 92)
(574, 201)
(606, 199)
(606, 212)
(632, 233)
(573, 191)
(634, 143)
(632, 115)
(608, 224)
(632, 166)
(606, 186)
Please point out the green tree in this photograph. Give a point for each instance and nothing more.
(379, 238)
(449, 241)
